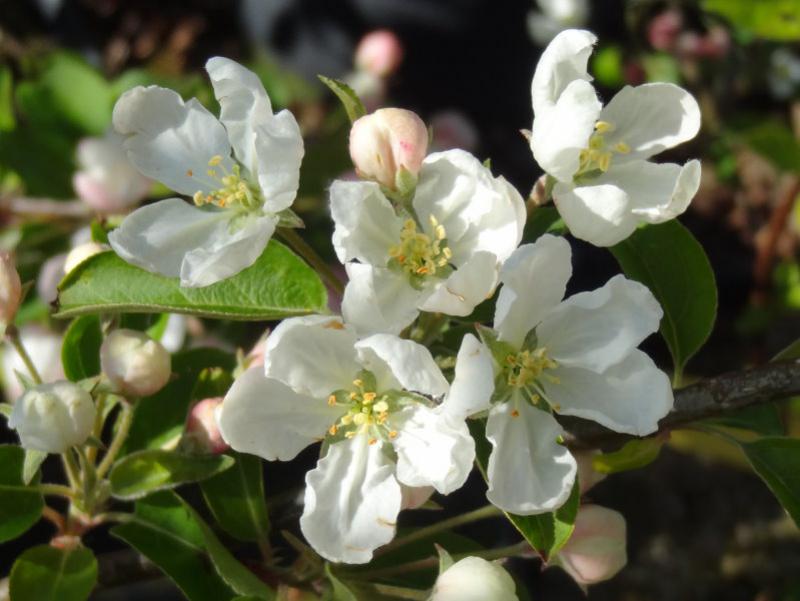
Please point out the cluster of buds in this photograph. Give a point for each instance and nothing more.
(666, 32)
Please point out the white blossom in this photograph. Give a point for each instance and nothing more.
(241, 170)
(44, 348)
(555, 16)
(474, 579)
(370, 399)
(575, 357)
(605, 186)
(135, 364)
(442, 255)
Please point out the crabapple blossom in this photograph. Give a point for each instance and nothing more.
(387, 145)
(575, 357)
(370, 399)
(10, 290)
(106, 180)
(596, 551)
(135, 364)
(440, 254)
(474, 579)
(202, 430)
(605, 186)
(555, 16)
(242, 172)
(53, 417)
(44, 348)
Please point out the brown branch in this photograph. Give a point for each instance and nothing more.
(710, 398)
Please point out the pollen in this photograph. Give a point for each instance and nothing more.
(419, 254)
(332, 400)
(526, 367)
(232, 189)
(597, 157)
(515, 413)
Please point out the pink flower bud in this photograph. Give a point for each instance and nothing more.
(202, 431)
(663, 30)
(597, 550)
(388, 140)
(415, 497)
(10, 290)
(379, 53)
(135, 364)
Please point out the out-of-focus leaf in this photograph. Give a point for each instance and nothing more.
(31, 465)
(777, 20)
(46, 573)
(661, 67)
(20, 505)
(607, 66)
(777, 461)
(633, 455)
(776, 143)
(350, 100)
(7, 119)
(80, 351)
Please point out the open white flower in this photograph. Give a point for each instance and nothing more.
(605, 186)
(241, 170)
(442, 258)
(576, 357)
(370, 399)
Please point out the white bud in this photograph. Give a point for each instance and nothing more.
(387, 142)
(44, 348)
(82, 252)
(10, 290)
(474, 579)
(596, 551)
(379, 53)
(202, 429)
(53, 417)
(135, 364)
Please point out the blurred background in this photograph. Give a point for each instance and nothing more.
(701, 526)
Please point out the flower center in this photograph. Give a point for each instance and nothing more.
(418, 254)
(596, 159)
(367, 410)
(234, 190)
(525, 368)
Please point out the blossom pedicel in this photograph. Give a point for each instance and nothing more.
(135, 364)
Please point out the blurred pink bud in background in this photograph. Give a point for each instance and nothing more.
(379, 53)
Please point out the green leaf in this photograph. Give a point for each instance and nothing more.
(279, 284)
(7, 119)
(633, 455)
(20, 506)
(340, 591)
(546, 532)
(670, 261)
(158, 420)
(777, 20)
(31, 465)
(608, 66)
(762, 419)
(151, 470)
(80, 351)
(166, 532)
(350, 100)
(46, 573)
(775, 142)
(777, 461)
(236, 499)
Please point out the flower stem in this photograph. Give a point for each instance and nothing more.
(72, 469)
(488, 511)
(97, 429)
(56, 490)
(399, 592)
(12, 333)
(123, 427)
(302, 248)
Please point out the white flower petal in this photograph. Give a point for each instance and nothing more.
(313, 355)
(170, 140)
(529, 471)
(411, 364)
(560, 133)
(366, 224)
(651, 118)
(630, 397)
(351, 503)
(562, 62)
(264, 417)
(599, 213)
(534, 280)
(269, 146)
(657, 192)
(465, 288)
(599, 328)
(433, 450)
(473, 383)
(378, 300)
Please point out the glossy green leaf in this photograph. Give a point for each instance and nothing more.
(236, 499)
(350, 100)
(80, 351)
(546, 532)
(670, 261)
(769, 19)
(279, 284)
(632, 455)
(20, 506)
(165, 531)
(777, 461)
(46, 573)
(158, 420)
(151, 470)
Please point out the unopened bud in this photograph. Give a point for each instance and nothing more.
(10, 290)
(53, 417)
(587, 475)
(135, 364)
(474, 579)
(664, 28)
(388, 145)
(202, 430)
(414, 497)
(596, 551)
(82, 252)
(379, 53)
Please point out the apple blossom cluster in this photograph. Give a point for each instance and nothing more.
(420, 235)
